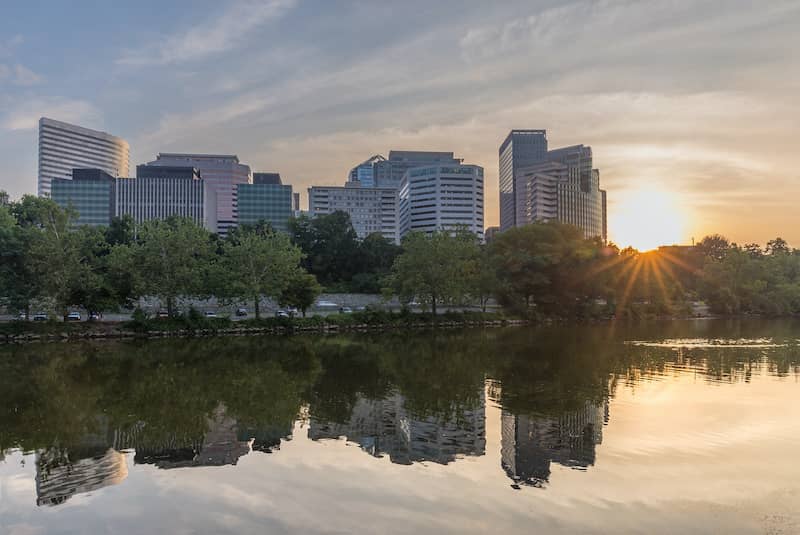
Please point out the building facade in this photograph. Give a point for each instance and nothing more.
(537, 184)
(266, 199)
(389, 172)
(364, 173)
(521, 148)
(222, 173)
(64, 147)
(90, 192)
(370, 209)
(442, 197)
(178, 194)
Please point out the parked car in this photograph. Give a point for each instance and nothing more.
(74, 316)
(95, 316)
(282, 314)
(345, 310)
(326, 304)
(22, 317)
(163, 313)
(241, 312)
(211, 314)
(40, 316)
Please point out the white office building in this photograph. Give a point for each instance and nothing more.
(371, 209)
(64, 147)
(160, 198)
(442, 197)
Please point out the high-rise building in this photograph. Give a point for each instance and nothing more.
(442, 197)
(389, 172)
(520, 149)
(537, 184)
(222, 173)
(370, 209)
(179, 193)
(364, 172)
(4, 201)
(266, 199)
(90, 192)
(64, 147)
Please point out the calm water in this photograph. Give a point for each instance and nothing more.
(672, 428)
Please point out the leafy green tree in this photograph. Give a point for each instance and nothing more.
(170, 259)
(330, 246)
(549, 266)
(435, 268)
(259, 263)
(301, 292)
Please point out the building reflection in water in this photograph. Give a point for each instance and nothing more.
(385, 427)
(218, 446)
(100, 460)
(58, 477)
(530, 443)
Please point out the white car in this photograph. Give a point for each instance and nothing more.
(211, 314)
(74, 316)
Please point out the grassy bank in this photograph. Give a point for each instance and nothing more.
(193, 324)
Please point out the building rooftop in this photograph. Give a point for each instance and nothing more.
(187, 156)
(80, 129)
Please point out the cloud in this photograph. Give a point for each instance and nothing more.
(19, 75)
(221, 33)
(24, 115)
(25, 77)
(7, 47)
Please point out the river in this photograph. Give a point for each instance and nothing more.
(669, 427)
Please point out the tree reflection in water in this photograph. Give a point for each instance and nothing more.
(412, 397)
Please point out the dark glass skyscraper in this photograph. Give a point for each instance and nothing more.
(521, 148)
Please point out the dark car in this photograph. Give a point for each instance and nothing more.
(40, 316)
(241, 312)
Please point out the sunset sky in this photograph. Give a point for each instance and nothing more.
(692, 108)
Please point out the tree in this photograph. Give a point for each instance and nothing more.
(484, 278)
(169, 260)
(301, 292)
(376, 254)
(434, 268)
(259, 263)
(714, 246)
(550, 266)
(330, 246)
(777, 246)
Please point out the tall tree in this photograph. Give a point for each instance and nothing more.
(169, 260)
(301, 292)
(330, 246)
(435, 268)
(259, 264)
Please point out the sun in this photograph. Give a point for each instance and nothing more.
(646, 218)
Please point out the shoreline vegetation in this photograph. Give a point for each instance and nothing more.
(542, 272)
(195, 325)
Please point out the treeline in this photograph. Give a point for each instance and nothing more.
(536, 271)
(46, 259)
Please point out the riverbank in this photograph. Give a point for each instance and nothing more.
(192, 326)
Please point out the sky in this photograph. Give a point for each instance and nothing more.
(692, 108)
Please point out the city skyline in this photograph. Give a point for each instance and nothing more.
(672, 109)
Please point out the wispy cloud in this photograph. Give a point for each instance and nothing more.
(25, 115)
(218, 34)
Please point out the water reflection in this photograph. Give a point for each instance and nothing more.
(92, 412)
(385, 427)
(530, 443)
